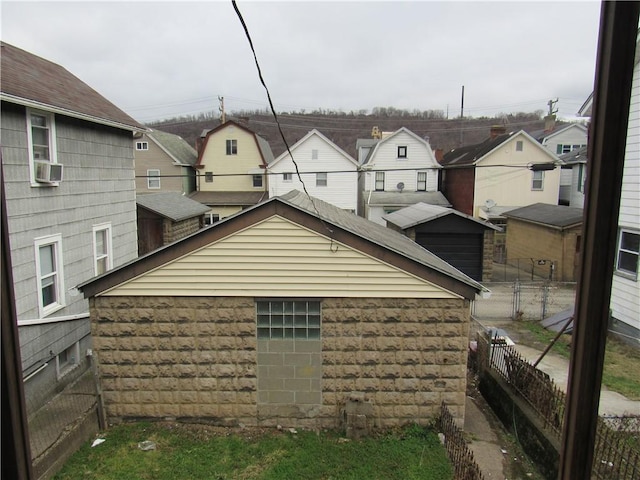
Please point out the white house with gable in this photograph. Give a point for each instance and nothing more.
(328, 172)
(625, 290)
(399, 170)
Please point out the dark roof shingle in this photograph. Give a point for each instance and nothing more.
(27, 78)
(558, 216)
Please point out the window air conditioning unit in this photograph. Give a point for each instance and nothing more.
(47, 172)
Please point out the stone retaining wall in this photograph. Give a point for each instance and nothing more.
(197, 358)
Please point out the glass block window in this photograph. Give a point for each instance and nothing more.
(288, 320)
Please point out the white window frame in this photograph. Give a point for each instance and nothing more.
(519, 146)
(287, 177)
(620, 250)
(142, 146)
(231, 146)
(582, 176)
(57, 274)
(53, 151)
(67, 360)
(257, 181)
(322, 179)
(534, 180)
(314, 154)
(379, 180)
(99, 256)
(211, 218)
(422, 183)
(403, 152)
(152, 177)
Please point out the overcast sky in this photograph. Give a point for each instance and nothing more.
(162, 59)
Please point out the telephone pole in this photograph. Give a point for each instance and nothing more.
(223, 118)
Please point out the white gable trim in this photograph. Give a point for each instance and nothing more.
(300, 142)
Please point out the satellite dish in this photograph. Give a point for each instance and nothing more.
(400, 186)
(489, 204)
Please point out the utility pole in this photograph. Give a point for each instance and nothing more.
(462, 117)
(223, 118)
(551, 103)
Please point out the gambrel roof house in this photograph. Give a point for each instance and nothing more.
(507, 170)
(399, 169)
(293, 312)
(231, 169)
(164, 163)
(67, 158)
(321, 167)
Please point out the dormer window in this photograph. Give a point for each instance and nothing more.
(142, 145)
(402, 151)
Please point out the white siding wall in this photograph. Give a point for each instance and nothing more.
(576, 198)
(419, 158)
(575, 135)
(625, 293)
(278, 258)
(342, 184)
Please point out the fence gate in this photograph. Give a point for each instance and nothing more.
(530, 301)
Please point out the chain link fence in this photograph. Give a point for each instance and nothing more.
(59, 427)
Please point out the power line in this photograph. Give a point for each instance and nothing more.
(275, 116)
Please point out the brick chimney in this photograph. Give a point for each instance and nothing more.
(549, 123)
(497, 130)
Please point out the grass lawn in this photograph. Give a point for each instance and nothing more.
(204, 452)
(621, 362)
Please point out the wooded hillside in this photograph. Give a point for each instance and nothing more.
(344, 129)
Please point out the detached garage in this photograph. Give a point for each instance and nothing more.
(293, 312)
(461, 240)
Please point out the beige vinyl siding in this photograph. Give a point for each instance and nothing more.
(155, 158)
(231, 172)
(509, 186)
(279, 258)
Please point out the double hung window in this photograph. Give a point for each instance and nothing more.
(628, 253)
(49, 275)
(232, 147)
(153, 179)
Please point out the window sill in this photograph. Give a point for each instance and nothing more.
(627, 275)
(49, 309)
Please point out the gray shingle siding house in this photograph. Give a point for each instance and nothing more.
(67, 157)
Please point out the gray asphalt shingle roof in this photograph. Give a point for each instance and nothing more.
(558, 216)
(575, 156)
(469, 154)
(27, 77)
(421, 213)
(403, 199)
(176, 146)
(171, 205)
(374, 232)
